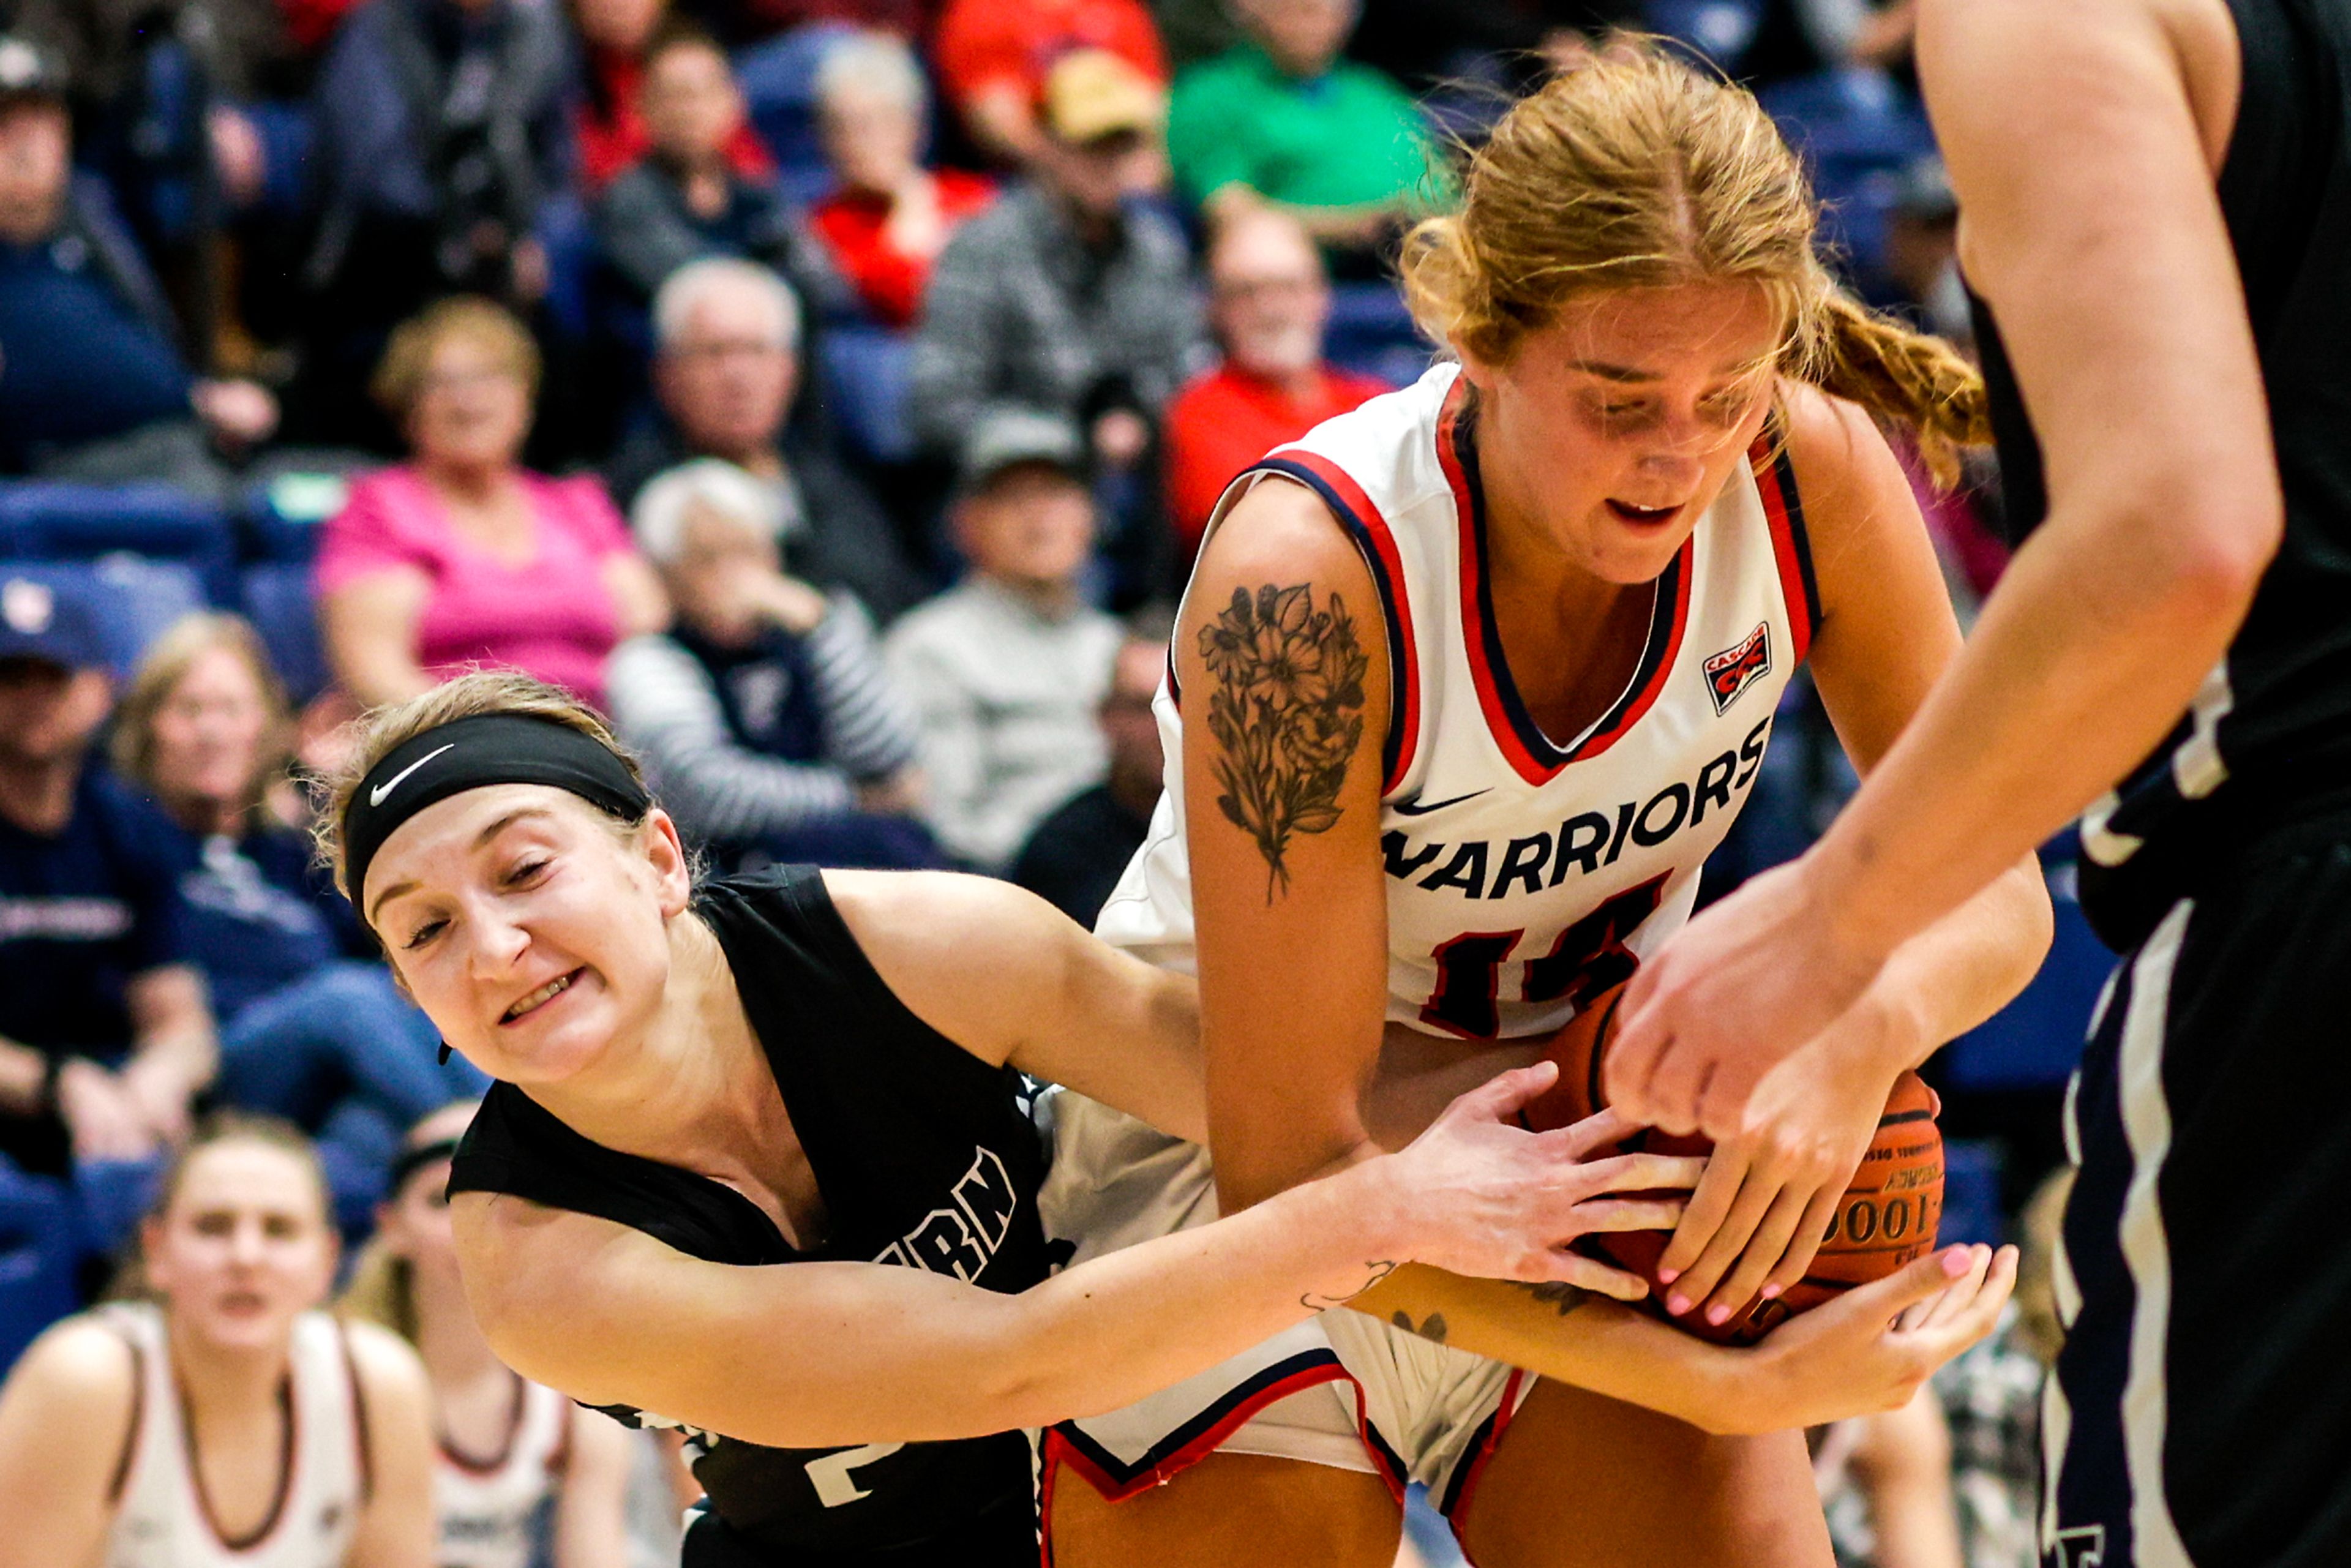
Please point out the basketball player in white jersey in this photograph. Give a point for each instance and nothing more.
(507, 1446)
(224, 1422)
(1467, 686)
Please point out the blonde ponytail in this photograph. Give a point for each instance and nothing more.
(1902, 377)
(382, 1291)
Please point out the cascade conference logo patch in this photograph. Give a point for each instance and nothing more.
(1735, 669)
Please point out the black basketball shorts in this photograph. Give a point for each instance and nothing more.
(2201, 1416)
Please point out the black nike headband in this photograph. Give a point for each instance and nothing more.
(473, 754)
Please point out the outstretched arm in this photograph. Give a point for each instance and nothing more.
(2082, 139)
(609, 1315)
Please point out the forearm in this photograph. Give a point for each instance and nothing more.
(2075, 673)
(1116, 1328)
(1965, 967)
(1579, 1338)
(186, 1050)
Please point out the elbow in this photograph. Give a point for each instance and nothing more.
(2199, 549)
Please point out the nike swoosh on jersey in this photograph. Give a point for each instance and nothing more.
(1422, 809)
(376, 795)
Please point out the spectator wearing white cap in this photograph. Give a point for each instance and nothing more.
(1008, 669)
(763, 716)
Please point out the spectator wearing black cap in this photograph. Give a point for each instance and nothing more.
(1008, 669)
(105, 1034)
(92, 380)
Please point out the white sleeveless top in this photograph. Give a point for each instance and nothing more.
(1525, 874)
(165, 1520)
(488, 1508)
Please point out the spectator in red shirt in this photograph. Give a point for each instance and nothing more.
(1267, 301)
(886, 223)
(993, 55)
(610, 131)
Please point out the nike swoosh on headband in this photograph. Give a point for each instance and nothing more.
(1417, 808)
(376, 795)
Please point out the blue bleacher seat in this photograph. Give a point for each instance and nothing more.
(1971, 1214)
(285, 515)
(1371, 332)
(40, 1247)
(1858, 130)
(2036, 1040)
(45, 520)
(867, 372)
(1718, 29)
(778, 80)
(136, 599)
(278, 601)
(570, 244)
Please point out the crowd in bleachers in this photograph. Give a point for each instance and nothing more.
(833, 391)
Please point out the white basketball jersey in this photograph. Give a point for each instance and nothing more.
(489, 1508)
(163, 1519)
(1525, 873)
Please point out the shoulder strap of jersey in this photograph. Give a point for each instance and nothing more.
(516, 1146)
(1792, 547)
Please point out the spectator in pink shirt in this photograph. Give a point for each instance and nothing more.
(462, 556)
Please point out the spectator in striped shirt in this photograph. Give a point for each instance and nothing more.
(763, 717)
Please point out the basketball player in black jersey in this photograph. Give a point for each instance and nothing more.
(2156, 213)
(819, 1069)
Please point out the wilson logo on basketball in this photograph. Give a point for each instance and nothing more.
(1733, 670)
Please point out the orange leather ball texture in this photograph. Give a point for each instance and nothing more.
(1886, 1218)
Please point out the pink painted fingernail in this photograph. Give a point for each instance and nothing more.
(1667, 1276)
(1772, 1293)
(1717, 1314)
(1677, 1304)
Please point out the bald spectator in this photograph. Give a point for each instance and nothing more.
(727, 366)
(1065, 298)
(1284, 120)
(1268, 303)
(992, 59)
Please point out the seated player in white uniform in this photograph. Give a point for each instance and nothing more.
(1467, 684)
(509, 1450)
(223, 1421)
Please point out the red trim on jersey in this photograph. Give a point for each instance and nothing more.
(1775, 481)
(1465, 1486)
(1058, 1449)
(1530, 754)
(1369, 527)
(289, 1461)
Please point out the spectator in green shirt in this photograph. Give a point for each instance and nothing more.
(1283, 121)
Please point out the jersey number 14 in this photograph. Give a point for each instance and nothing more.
(1589, 957)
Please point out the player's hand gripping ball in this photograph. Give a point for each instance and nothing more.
(1886, 1218)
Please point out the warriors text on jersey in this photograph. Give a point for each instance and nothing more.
(925, 1158)
(1526, 872)
(163, 1519)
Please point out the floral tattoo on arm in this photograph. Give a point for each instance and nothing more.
(1287, 712)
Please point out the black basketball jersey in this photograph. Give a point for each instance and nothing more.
(925, 1157)
(2268, 739)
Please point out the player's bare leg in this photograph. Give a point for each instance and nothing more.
(1583, 1481)
(1231, 1511)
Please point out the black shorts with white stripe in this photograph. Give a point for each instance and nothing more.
(2201, 1412)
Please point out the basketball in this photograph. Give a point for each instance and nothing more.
(1886, 1218)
